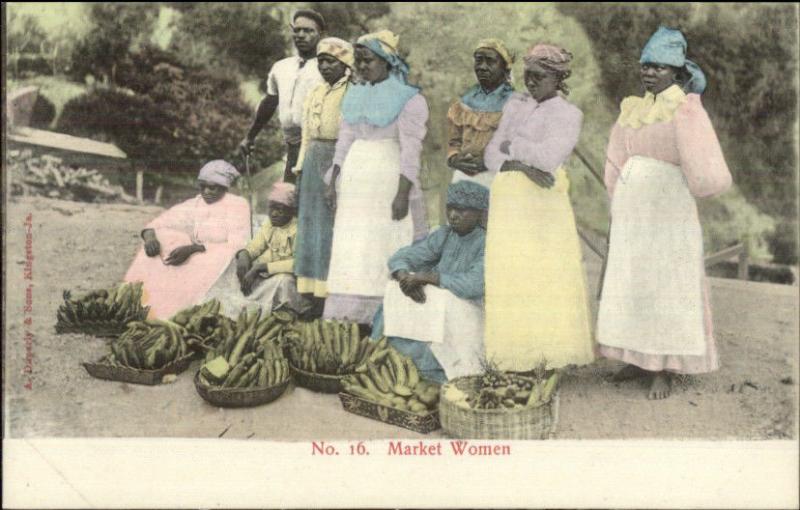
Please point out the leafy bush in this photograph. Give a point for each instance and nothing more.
(783, 243)
(44, 111)
(730, 218)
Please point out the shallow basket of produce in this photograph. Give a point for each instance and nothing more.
(239, 397)
(104, 370)
(321, 383)
(459, 420)
(418, 422)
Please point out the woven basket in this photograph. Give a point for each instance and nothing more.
(102, 370)
(321, 383)
(239, 397)
(422, 423)
(521, 423)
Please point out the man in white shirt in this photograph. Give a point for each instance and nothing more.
(289, 81)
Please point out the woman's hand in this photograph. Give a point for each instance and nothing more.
(330, 196)
(151, 245)
(542, 179)
(250, 279)
(242, 265)
(182, 253)
(466, 163)
(400, 206)
(505, 147)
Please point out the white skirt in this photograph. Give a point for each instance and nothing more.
(453, 326)
(651, 299)
(364, 234)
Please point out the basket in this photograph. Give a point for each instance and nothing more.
(100, 330)
(522, 423)
(321, 383)
(239, 397)
(422, 423)
(102, 370)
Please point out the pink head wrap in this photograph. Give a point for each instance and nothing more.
(552, 57)
(282, 193)
(218, 172)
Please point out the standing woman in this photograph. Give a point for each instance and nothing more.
(536, 307)
(321, 118)
(654, 313)
(374, 182)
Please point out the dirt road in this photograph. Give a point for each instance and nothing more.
(82, 246)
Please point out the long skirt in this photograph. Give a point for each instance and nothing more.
(451, 327)
(364, 234)
(279, 291)
(536, 301)
(314, 221)
(654, 310)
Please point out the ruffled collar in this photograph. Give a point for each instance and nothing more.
(376, 104)
(636, 112)
(479, 100)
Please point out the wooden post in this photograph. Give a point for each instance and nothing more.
(159, 191)
(744, 259)
(140, 185)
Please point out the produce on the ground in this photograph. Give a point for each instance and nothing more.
(148, 345)
(391, 379)
(504, 390)
(328, 347)
(102, 312)
(204, 324)
(249, 354)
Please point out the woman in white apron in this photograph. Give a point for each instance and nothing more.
(373, 184)
(663, 152)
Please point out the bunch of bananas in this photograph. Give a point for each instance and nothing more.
(249, 354)
(328, 347)
(392, 379)
(102, 312)
(502, 390)
(148, 345)
(204, 323)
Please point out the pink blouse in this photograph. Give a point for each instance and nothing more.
(687, 141)
(542, 135)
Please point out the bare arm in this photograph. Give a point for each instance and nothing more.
(264, 112)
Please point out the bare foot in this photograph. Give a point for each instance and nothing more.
(629, 372)
(660, 386)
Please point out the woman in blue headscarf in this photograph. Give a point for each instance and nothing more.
(373, 184)
(654, 311)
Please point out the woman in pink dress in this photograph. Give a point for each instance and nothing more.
(189, 246)
(654, 311)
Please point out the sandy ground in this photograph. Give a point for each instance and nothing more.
(84, 246)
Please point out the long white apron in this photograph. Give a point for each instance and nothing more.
(364, 234)
(651, 299)
(453, 326)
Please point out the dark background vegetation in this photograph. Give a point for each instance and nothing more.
(174, 84)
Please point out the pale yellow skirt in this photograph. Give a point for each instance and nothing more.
(536, 306)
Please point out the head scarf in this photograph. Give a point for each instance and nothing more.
(667, 46)
(282, 193)
(339, 49)
(498, 46)
(218, 172)
(468, 194)
(554, 59)
(385, 44)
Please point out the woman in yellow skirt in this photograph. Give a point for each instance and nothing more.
(536, 306)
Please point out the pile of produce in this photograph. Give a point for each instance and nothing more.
(148, 345)
(48, 176)
(204, 324)
(392, 380)
(102, 312)
(249, 354)
(328, 347)
(503, 390)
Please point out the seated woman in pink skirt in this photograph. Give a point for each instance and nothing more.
(188, 246)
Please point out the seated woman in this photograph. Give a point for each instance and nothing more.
(188, 246)
(433, 309)
(261, 274)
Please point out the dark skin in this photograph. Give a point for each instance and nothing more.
(463, 220)
(305, 34)
(249, 273)
(657, 77)
(491, 72)
(542, 84)
(211, 193)
(373, 69)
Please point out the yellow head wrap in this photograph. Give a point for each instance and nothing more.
(498, 46)
(337, 48)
